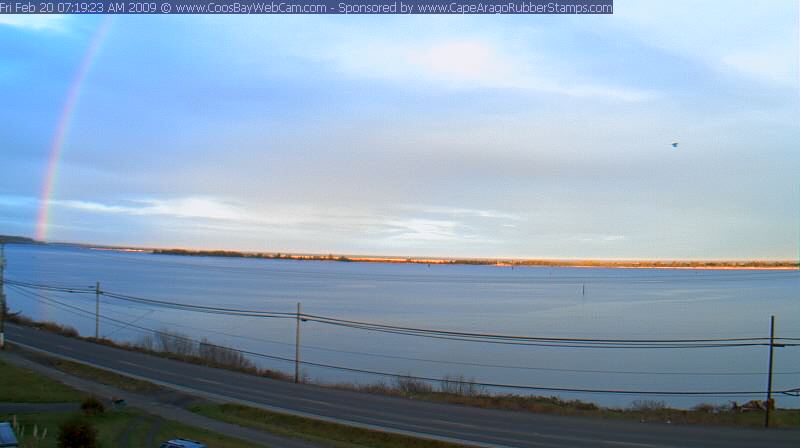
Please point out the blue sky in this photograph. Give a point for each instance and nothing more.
(499, 136)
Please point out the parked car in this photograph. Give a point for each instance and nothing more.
(182, 443)
(7, 436)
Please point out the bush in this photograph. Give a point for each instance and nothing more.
(580, 405)
(225, 356)
(706, 408)
(648, 405)
(409, 385)
(176, 343)
(77, 433)
(92, 406)
(64, 330)
(460, 385)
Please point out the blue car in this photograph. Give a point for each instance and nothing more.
(182, 443)
(7, 436)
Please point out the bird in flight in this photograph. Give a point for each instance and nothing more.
(674, 145)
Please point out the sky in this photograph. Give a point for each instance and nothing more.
(467, 136)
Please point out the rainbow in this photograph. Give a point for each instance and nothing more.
(64, 120)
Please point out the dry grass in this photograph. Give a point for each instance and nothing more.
(204, 353)
(52, 327)
(330, 434)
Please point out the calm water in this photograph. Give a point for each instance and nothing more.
(618, 303)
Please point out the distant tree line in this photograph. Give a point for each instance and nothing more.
(231, 253)
(491, 261)
(11, 239)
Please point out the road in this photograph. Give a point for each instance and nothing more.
(475, 426)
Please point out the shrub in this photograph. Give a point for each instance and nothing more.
(580, 405)
(648, 405)
(705, 408)
(220, 355)
(460, 385)
(92, 406)
(52, 327)
(409, 385)
(176, 343)
(77, 433)
(146, 342)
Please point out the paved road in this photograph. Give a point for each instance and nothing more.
(481, 427)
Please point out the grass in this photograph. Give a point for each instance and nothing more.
(710, 415)
(657, 412)
(64, 330)
(172, 430)
(313, 430)
(101, 376)
(30, 387)
(420, 390)
(24, 386)
(111, 425)
(105, 377)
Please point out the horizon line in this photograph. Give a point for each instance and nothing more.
(414, 258)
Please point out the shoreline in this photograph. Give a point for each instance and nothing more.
(727, 265)
(780, 265)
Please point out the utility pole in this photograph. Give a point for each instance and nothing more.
(2, 298)
(97, 310)
(297, 347)
(769, 379)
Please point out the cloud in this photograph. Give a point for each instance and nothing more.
(423, 230)
(427, 233)
(35, 22)
(467, 63)
(735, 36)
(17, 201)
(191, 207)
(405, 226)
(459, 211)
(598, 238)
(769, 64)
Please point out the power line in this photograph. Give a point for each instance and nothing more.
(408, 358)
(475, 364)
(130, 323)
(75, 311)
(550, 344)
(50, 287)
(154, 302)
(323, 319)
(456, 381)
(200, 308)
(444, 334)
(428, 379)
